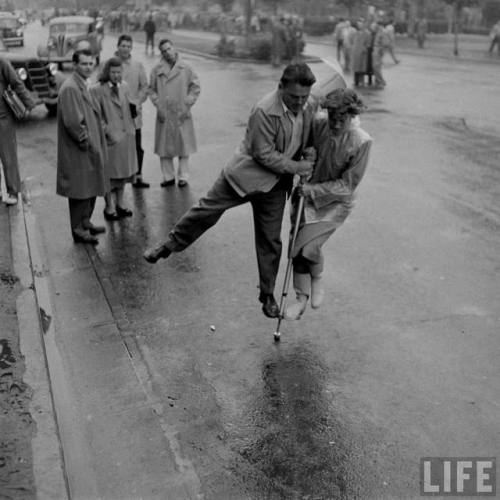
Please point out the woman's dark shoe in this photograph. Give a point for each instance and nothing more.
(171, 182)
(123, 212)
(111, 215)
(153, 254)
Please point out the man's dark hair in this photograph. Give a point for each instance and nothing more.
(164, 40)
(299, 73)
(77, 53)
(124, 37)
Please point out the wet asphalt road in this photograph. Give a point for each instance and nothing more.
(400, 362)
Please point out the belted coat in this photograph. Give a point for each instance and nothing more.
(119, 129)
(81, 143)
(174, 90)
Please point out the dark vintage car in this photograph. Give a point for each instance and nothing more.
(11, 29)
(40, 77)
(66, 33)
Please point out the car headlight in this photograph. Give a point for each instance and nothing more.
(23, 74)
(19, 33)
(52, 68)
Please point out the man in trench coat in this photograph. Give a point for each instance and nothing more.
(261, 173)
(81, 149)
(174, 88)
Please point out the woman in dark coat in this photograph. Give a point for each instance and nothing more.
(113, 97)
(343, 149)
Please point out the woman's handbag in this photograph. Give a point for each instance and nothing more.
(14, 102)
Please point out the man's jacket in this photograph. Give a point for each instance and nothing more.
(259, 162)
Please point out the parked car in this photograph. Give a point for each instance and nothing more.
(41, 78)
(68, 32)
(11, 29)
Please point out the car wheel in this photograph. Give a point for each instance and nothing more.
(52, 109)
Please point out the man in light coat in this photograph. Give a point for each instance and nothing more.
(81, 149)
(8, 143)
(134, 75)
(261, 173)
(174, 88)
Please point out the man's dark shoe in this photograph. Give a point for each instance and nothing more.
(139, 183)
(153, 254)
(182, 183)
(84, 237)
(269, 306)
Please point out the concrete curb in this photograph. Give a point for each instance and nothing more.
(48, 460)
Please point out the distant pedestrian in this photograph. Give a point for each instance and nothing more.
(421, 32)
(261, 173)
(343, 150)
(390, 40)
(8, 142)
(369, 53)
(174, 88)
(150, 30)
(279, 42)
(378, 54)
(296, 39)
(134, 75)
(349, 34)
(360, 46)
(81, 149)
(338, 38)
(114, 99)
(495, 37)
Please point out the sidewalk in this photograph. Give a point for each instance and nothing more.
(31, 462)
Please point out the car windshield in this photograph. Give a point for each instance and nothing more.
(8, 23)
(74, 28)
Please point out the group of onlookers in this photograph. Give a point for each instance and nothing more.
(360, 48)
(99, 130)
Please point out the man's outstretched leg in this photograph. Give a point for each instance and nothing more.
(197, 220)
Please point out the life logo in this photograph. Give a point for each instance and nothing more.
(458, 476)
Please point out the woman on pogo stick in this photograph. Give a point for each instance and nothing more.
(343, 149)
